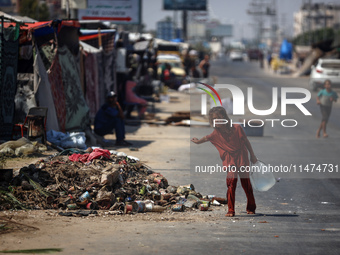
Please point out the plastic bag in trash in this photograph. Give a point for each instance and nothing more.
(260, 177)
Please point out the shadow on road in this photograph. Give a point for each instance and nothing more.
(268, 215)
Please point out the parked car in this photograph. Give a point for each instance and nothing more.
(325, 69)
(236, 55)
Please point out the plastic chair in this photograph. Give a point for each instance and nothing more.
(34, 115)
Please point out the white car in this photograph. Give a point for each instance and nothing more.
(325, 69)
(236, 55)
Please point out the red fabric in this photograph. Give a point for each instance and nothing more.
(79, 157)
(233, 152)
(166, 74)
(248, 189)
(96, 153)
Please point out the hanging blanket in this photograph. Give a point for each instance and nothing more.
(57, 87)
(91, 78)
(77, 111)
(9, 47)
(44, 95)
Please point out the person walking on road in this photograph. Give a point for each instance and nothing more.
(204, 65)
(233, 146)
(325, 99)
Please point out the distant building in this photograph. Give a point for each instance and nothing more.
(165, 30)
(316, 16)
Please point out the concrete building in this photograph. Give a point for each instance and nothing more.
(165, 30)
(316, 16)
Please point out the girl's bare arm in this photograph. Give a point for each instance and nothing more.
(253, 158)
(199, 141)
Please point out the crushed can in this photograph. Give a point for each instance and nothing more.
(85, 196)
(205, 202)
(141, 206)
(149, 207)
(92, 206)
(203, 207)
(166, 196)
(131, 207)
(72, 206)
(178, 208)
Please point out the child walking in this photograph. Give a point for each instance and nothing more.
(233, 146)
(325, 99)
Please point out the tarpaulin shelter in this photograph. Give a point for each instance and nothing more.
(57, 83)
(98, 54)
(286, 50)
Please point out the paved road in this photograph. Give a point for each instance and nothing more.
(297, 216)
(302, 209)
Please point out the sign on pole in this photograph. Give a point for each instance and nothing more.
(117, 11)
(188, 5)
(73, 4)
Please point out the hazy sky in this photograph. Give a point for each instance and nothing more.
(228, 12)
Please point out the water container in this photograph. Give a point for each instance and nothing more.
(260, 176)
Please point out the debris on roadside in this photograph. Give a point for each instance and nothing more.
(20, 147)
(81, 182)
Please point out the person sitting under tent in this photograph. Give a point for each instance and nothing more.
(110, 116)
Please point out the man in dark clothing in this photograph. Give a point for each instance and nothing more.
(110, 116)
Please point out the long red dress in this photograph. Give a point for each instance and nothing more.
(233, 152)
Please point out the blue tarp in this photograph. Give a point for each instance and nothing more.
(286, 50)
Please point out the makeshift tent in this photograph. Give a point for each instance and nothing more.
(57, 77)
(99, 62)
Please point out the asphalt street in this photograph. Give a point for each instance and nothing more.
(299, 215)
(302, 209)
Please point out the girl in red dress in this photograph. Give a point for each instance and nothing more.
(233, 146)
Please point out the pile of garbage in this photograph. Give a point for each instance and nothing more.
(97, 180)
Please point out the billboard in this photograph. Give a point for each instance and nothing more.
(74, 4)
(117, 11)
(5, 3)
(222, 30)
(189, 5)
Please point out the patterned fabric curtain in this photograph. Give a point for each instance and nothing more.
(9, 48)
(77, 111)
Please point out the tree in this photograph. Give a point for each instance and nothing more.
(34, 10)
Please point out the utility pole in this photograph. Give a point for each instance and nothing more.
(259, 9)
(184, 24)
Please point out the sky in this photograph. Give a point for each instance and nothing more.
(229, 12)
